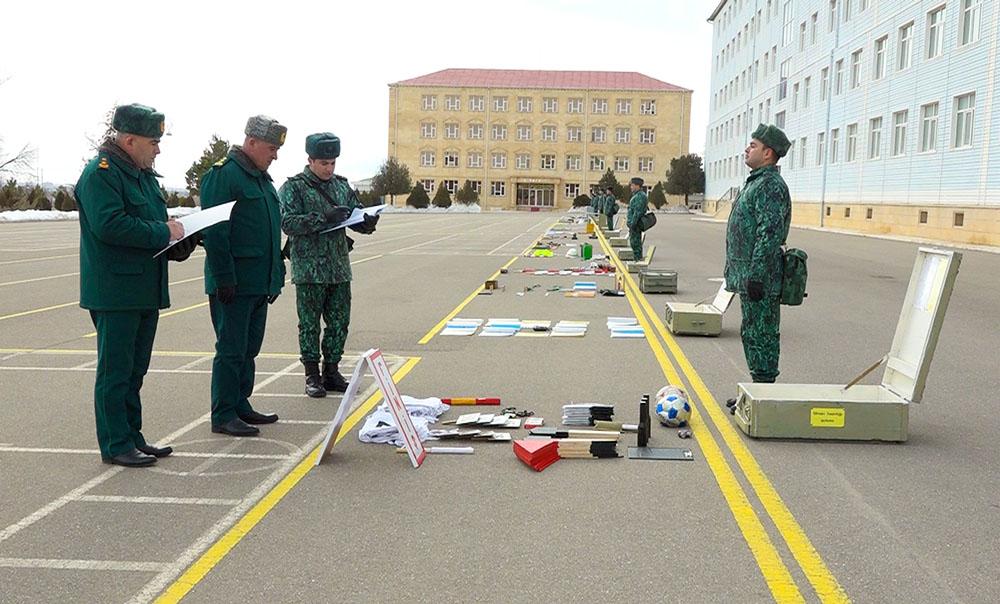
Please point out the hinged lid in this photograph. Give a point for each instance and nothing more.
(920, 322)
(723, 298)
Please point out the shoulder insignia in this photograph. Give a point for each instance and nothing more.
(103, 164)
(221, 161)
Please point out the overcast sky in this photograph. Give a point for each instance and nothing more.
(315, 66)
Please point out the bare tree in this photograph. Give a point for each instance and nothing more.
(19, 162)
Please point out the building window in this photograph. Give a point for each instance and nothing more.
(429, 102)
(899, 133)
(832, 17)
(869, 213)
(852, 142)
(647, 136)
(427, 184)
(922, 217)
(451, 159)
(875, 138)
(499, 132)
(802, 152)
(574, 162)
(621, 164)
(969, 23)
(827, 210)
(500, 103)
(522, 161)
(499, 160)
(791, 155)
(802, 36)
(598, 134)
(550, 105)
(965, 115)
(623, 135)
(805, 92)
(958, 219)
(647, 107)
(600, 106)
(451, 130)
(524, 104)
(786, 19)
(624, 106)
(905, 46)
(475, 131)
(477, 103)
(498, 188)
(855, 69)
(549, 133)
(820, 147)
(450, 185)
(574, 106)
(548, 161)
(783, 80)
(935, 32)
(824, 83)
(427, 159)
(477, 186)
(428, 130)
(574, 134)
(597, 162)
(834, 145)
(645, 164)
(572, 190)
(847, 212)
(475, 159)
(838, 77)
(847, 10)
(813, 22)
(928, 127)
(878, 68)
(453, 103)
(524, 132)
(779, 119)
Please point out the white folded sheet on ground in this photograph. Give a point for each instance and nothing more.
(380, 425)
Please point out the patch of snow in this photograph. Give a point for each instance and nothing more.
(455, 208)
(49, 215)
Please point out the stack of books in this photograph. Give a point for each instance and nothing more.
(585, 414)
(583, 448)
(625, 327)
(538, 454)
(570, 329)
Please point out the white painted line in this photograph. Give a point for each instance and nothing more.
(500, 247)
(164, 500)
(192, 454)
(119, 565)
(224, 455)
(297, 395)
(87, 365)
(305, 422)
(38, 279)
(194, 363)
(208, 463)
(452, 236)
(168, 371)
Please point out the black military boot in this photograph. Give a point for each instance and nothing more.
(314, 383)
(332, 380)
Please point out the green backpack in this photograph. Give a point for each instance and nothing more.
(794, 275)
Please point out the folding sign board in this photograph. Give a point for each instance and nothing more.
(376, 362)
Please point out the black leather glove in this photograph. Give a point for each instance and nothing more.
(366, 227)
(181, 251)
(336, 214)
(755, 290)
(226, 293)
(271, 299)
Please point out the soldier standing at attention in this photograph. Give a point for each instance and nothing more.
(244, 271)
(610, 207)
(596, 202)
(637, 208)
(123, 222)
(757, 228)
(312, 201)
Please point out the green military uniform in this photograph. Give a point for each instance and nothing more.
(609, 208)
(244, 253)
(122, 224)
(757, 228)
(596, 200)
(321, 267)
(637, 207)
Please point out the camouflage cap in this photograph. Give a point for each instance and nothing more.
(266, 129)
(635, 180)
(773, 137)
(138, 119)
(323, 145)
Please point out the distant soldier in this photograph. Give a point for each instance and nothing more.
(757, 228)
(312, 201)
(638, 205)
(596, 201)
(609, 207)
(123, 222)
(244, 271)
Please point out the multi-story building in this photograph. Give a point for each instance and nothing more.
(889, 105)
(529, 139)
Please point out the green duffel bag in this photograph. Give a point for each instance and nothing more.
(794, 275)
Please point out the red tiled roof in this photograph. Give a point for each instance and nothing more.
(525, 78)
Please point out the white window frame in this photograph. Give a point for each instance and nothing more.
(524, 104)
(824, 83)
(498, 160)
(645, 164)
(834, 145)
(856, 58)
(572, 190)
(548, 161)
(474, 159)
(621, 163)
(427, 159)
(524, 132)
(786, 20)
(522, 161)
(623, 106)
(598, 134)
(449, 159)
(783, 79)
(498, 188)
(803, 151)
(963, 122)
(549, 133)
(875, 138)
(428, 185)
(550, 105)
(428, 102)
(451, 130)
(929, 127)
(934, 47)
(851, 151)
(498, 132)
(574, 105)
(899, 121)
(806, 85)
(599, 106)
(838, 77)
(878, 66)
(820, 148)
(450, 185)
(574, 163)
(647, 107)
(574, 134)
(453, 102)
(623, 135)
(476, 131)
(904, 47)
(477, 103)
(647, 136)
(500, 104)
(428, 130)
(597, 163)
(970, 21)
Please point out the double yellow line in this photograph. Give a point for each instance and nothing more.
(776, 574)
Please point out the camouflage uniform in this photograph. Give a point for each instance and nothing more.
(757, 228)
(637, 208)
(321, 267)
(595, 203)
(609, 209)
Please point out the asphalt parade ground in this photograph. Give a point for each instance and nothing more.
(252, 520)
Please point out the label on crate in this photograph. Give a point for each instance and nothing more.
(826, 417)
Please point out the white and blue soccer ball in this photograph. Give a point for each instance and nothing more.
(672, 407)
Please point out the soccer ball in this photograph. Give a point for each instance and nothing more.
(672, 407)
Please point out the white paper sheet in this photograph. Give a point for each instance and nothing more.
(199, 221)
(357, 216)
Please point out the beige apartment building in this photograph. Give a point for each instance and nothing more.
(535, 139)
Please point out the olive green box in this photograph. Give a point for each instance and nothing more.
(658, 282)
(624, 253)
(864, 411)
(618, 241)
(701, 319)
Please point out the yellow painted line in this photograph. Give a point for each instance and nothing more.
(203, 565)
(37, 310)
(93, 334)
(22, 281)
(779, 580)
(440, 325)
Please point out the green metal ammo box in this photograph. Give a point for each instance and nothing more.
(684, 318)
(658, 282)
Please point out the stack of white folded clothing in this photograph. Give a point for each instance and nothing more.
(380, 426)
